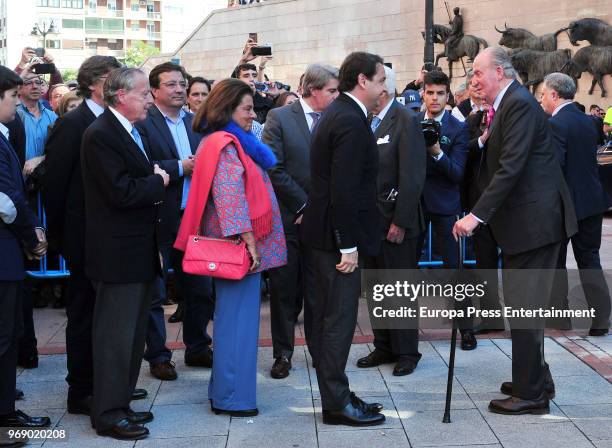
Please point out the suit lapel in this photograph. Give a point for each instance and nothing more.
(159, 121)
(300, 119)
(132, 148)
(387, 123)
(513, 86)
(87, 113)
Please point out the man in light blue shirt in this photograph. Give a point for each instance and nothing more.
(173, 144)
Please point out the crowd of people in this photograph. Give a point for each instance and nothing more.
(138, 172)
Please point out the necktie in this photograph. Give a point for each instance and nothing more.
(315, 120)
(490, 115)
(138, 141)
(375, 123)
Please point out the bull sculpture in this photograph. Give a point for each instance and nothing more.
(595, 31)
(468, 46)
(595, 60)
(521, 38)
(533, 65)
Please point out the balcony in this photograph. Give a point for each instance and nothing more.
(142, 14)
(142, 34)
(103, 32)
(104, 52)
(103, 12)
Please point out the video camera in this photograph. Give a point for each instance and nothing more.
(431, 131)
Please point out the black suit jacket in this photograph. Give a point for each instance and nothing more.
(576, 139)
(471, 188)
(402, 167)
(341, 211)
(63, 194)
(288, 135)
(525, 199)
(165, 153)
(121, 200)
(17, 137)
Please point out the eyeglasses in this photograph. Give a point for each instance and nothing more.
(174, 84)
(38, 82)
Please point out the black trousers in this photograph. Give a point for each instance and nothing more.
(529, 370)
(11, 328)
(79, 310)
(487, 257)
(442, 240)
(337, 303)
(400, 343)
(292, 286)
(586, 244)
(119, 329)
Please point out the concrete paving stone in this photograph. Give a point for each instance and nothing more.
(566, 364)
(561, 435)
(358, 351)
(289, 407)
(431, 401)
(427, 362)
(363, 382)
(272, 392)
(297, 431)
(84, 436)
(550, 346)
(50, 368)
(188, 420)
(586, 389)
(602, 443)
(467, 427)
(595, 421)
(370, 438)
(392, 419)
(185, 442)
(556, 415)
(43, 395)
(421, 381)
(298, 376)
(182, 391)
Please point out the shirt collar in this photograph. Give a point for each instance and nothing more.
(39, 103)
(307, 109)
(559, 107)
(94, 107)
(359, 103)
(500, 96)
(124, 121)
(4, 130)
(437, 118)
(182, 114)
(381, 115)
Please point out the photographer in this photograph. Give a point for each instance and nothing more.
(29, 57)
(447, 154)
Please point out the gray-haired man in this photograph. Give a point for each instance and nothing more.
(122, 193)
(288, 132)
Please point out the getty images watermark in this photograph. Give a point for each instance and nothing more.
(520, 299)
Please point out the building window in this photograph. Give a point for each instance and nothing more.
(111, 5)
(75, 4)
(150, 8)
(92, 45)
(72, 23)
(150, 29)
(111, 26)
(53, 44)
(135, 26)
(135, 7)
(93, 4)
(48, 3)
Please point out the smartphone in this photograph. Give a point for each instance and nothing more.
(43, 69)
(262, 51)
(40, 52)
(253, 37)
(261, 86)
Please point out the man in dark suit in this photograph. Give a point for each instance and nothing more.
(576, 140)
(401, 176)
(288, 132)
(173, 144)
(445, 168)
(527, 205)
(123, 190)
(64, 200)
(19, 232)
(341, 221)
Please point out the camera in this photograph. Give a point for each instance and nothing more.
(431, 131)
(281, 86)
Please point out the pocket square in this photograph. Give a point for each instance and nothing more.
(384, 140)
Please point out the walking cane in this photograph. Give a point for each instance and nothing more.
(451, 360)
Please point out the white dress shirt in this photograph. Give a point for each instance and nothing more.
(94, 107)
(307, 111)
(4, 130)
(560, 106)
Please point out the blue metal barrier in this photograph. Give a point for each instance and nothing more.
(428, 252)
(43, 272)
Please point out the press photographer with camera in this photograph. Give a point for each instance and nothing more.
(446, 139)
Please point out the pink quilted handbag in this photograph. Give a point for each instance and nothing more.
(216, 257)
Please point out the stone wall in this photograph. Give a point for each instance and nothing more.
(306, 31)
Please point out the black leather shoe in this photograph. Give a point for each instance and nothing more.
(164, 371)
(281, 368)
(80, 405)
(517, 406)
(124, 429)
(366, 407)
(598, 331)
(177, 316)
(244, 413)
(549, 389)
(374, 359)
(139, 394)
(202, 359)
(19, 419)
(28, 361)
(18, 394)
(468, 340)
(352, 416)
(139, 418)
(404, 367)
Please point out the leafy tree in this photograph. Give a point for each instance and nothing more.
(138, 53)
(69, 74)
